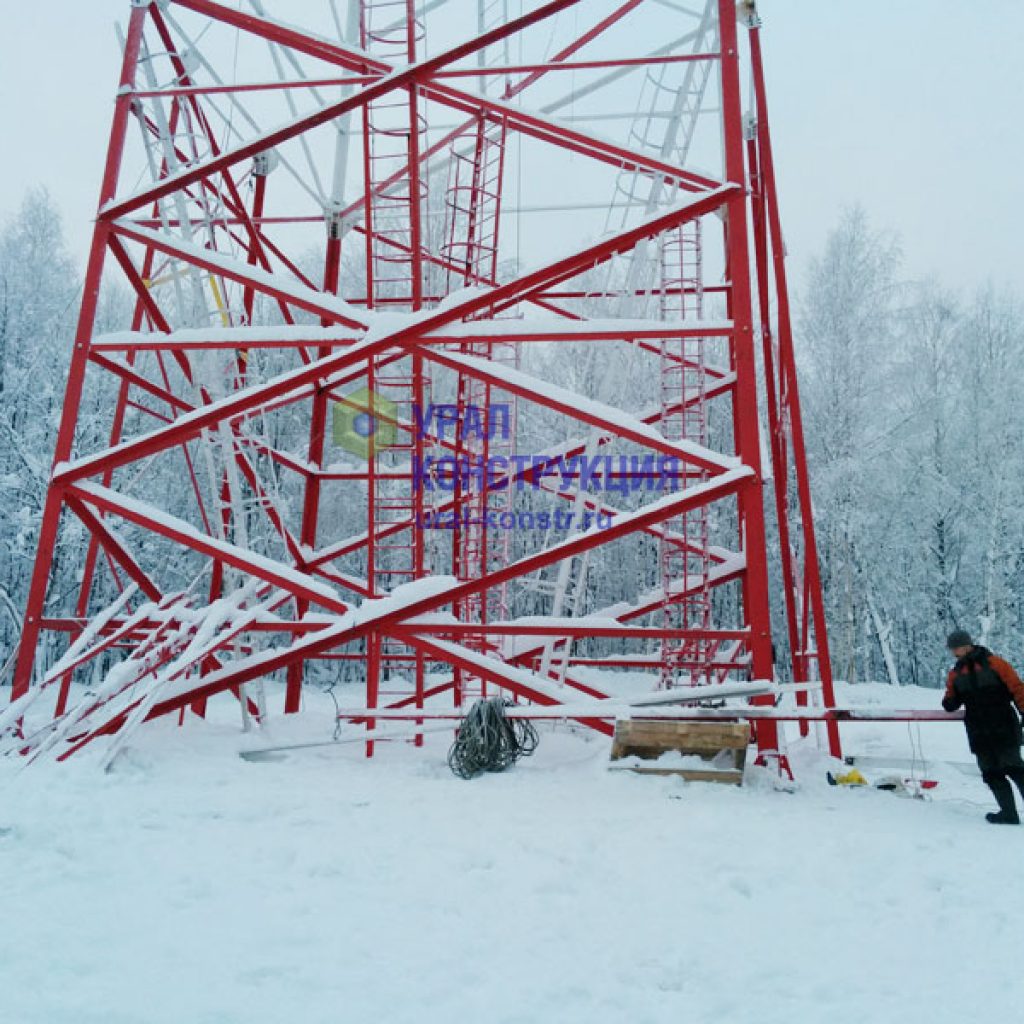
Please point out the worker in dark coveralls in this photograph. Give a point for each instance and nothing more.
(987, 688)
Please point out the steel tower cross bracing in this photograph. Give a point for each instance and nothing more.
(388, 410)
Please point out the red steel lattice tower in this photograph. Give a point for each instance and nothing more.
(368, 299)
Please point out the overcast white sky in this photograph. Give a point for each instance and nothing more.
(910, 107)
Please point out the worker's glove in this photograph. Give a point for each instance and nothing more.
(950, 704)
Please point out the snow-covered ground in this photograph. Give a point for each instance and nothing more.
(192, 886)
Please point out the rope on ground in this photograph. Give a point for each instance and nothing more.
(489, 741)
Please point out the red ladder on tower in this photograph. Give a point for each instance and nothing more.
(395, 194)
(684, 544)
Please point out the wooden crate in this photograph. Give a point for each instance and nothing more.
(648, 740)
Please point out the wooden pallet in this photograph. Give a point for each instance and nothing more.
(649, 740)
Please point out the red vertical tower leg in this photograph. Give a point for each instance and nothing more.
(79, 357)
(811, 643)
(745, 405)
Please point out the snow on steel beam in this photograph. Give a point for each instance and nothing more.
(115, 548)
(155, 650)
(653, 661)
(142, 286)
(545, 625)
(90, 643)
(138, 283)
(264, 624)
(205, 642)
(622, 611)
(131, 376)
(207, 338)
(106, 629)
(592, 503)
(296, 383)
(323, 304)
(521, 682)
(525, 330)
(528, 329)
(580, 407)
(260, 566)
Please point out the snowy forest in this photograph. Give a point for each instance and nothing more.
(909, 397)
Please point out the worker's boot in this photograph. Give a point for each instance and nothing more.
(1000, 786)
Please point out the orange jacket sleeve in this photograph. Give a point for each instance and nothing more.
(1005, 671)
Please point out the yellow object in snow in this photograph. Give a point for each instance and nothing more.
(851, 778)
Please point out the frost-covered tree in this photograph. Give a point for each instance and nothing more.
(847, 326)
(909, 395)
(39, 286)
